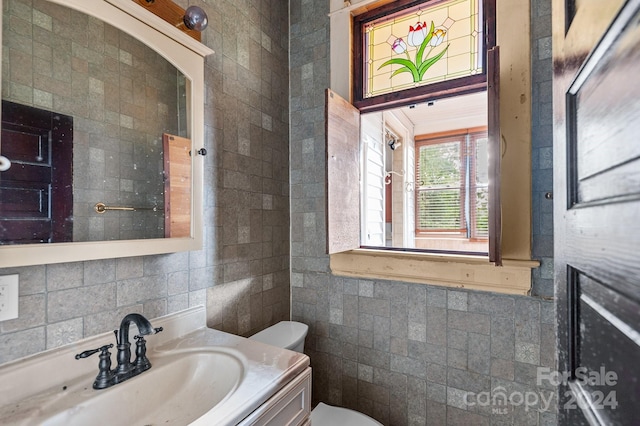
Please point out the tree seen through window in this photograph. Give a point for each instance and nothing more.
(452, 185)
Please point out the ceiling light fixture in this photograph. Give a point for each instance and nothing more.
(191, 21)
(195, 18)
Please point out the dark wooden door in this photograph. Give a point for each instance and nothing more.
(597, 210)
(36, 194)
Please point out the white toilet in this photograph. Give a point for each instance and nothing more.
(290, 335)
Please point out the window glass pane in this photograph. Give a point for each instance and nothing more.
(439, 192)
(430, 192)
(439, 209)
(482, 212)
(482, 161)
(439, 165)
(481, 228)
(431, 42)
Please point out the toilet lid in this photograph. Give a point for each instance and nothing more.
(328, 415)
(285, 334)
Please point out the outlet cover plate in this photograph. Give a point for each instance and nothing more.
(8, 297)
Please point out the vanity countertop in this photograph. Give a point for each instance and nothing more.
(29, 385)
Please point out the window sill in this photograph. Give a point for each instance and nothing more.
(468, 272)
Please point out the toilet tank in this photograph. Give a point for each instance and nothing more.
(285, 334)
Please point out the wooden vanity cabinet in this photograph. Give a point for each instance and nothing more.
(291, 406)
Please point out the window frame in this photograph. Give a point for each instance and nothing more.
(469, 232)
(488, 80)
(461, 186)
(459, 271)
(439, 90)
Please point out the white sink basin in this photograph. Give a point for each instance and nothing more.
(181, 386)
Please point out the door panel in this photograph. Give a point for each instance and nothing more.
(597, 205)
(603, 112)
(603, 353)
(24, 200)
(28, 145)
(36, 193)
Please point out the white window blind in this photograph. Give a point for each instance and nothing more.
(452, 185)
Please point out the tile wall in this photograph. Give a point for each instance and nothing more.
(415, 354)
(243, 271)
(542, 146)
(403, 353)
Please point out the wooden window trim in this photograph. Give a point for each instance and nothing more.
(438, 135)
(494, 134)
(446, 270)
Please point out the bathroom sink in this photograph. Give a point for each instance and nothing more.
(181, 386)
(199, 376)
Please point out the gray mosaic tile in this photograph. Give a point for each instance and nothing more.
(457, 300)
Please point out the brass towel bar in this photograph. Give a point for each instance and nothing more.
(102, 207)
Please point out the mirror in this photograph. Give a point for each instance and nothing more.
(114, 92)
(115, 98)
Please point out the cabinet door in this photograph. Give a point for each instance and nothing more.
(291, 406)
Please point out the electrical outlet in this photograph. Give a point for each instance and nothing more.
(8, 297)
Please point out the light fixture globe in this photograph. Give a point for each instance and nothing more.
(195, 18)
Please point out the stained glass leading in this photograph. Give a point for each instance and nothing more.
(428, 43)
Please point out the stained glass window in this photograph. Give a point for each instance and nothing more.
(432, 42)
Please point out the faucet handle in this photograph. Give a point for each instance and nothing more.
(142, 362)
(90, 352)
(104, 379)
(157, 330)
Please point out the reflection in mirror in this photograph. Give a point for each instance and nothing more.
(69, 79)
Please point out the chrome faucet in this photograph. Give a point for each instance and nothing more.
(125, 368)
